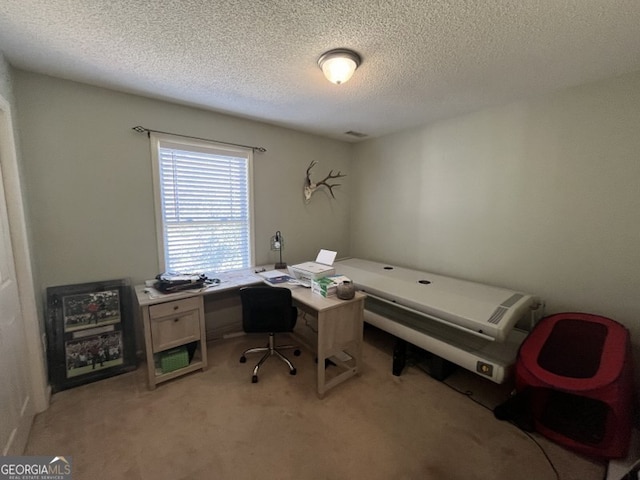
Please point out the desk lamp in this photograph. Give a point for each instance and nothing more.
(277, 242)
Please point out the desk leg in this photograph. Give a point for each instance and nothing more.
(151, 368)
(321, 367)
(339, 338)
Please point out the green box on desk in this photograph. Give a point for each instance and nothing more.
(174, 359)
(324, 286)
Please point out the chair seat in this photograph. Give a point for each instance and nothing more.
(268, 310)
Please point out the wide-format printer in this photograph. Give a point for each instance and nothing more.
(476, 326)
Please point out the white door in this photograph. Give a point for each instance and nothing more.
(15, 406)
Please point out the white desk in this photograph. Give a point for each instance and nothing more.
(177, 319)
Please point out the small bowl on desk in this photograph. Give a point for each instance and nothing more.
(346, 290)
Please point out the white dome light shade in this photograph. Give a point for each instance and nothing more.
(338, 65)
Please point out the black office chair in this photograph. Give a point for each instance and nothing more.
(268, 310)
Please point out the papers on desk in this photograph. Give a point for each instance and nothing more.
(275, 276)
(271, 274)
(280, 279)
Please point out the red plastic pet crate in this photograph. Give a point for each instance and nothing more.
(577, 371)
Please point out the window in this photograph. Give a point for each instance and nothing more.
(203, 205)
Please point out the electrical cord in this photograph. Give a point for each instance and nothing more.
(469, 395)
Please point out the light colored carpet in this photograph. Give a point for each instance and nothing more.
(218, 425)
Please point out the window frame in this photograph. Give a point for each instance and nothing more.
(156, 141)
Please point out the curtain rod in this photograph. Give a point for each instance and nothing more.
(148, 131)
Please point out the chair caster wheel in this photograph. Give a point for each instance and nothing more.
(293, 372)
(296, 352)
(254, 379)
(243, 359)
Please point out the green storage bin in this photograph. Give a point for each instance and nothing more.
(174, 359)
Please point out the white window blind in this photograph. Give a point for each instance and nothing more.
(205, 207)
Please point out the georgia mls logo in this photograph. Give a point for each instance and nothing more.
(35, 468)
(59, 465)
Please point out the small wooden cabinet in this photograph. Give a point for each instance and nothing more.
(169, 325)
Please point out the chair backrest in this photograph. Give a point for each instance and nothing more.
(267, 309)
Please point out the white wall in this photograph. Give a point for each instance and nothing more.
(89, 185)
(540, 195)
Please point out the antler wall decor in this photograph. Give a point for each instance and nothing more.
(310, 187)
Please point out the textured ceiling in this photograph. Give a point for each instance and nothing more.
(422, 60)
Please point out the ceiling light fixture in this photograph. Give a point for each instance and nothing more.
(338, 65)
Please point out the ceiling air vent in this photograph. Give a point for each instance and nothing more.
(356, 134)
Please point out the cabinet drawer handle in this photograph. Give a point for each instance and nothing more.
(176, 319)
(175, 307)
